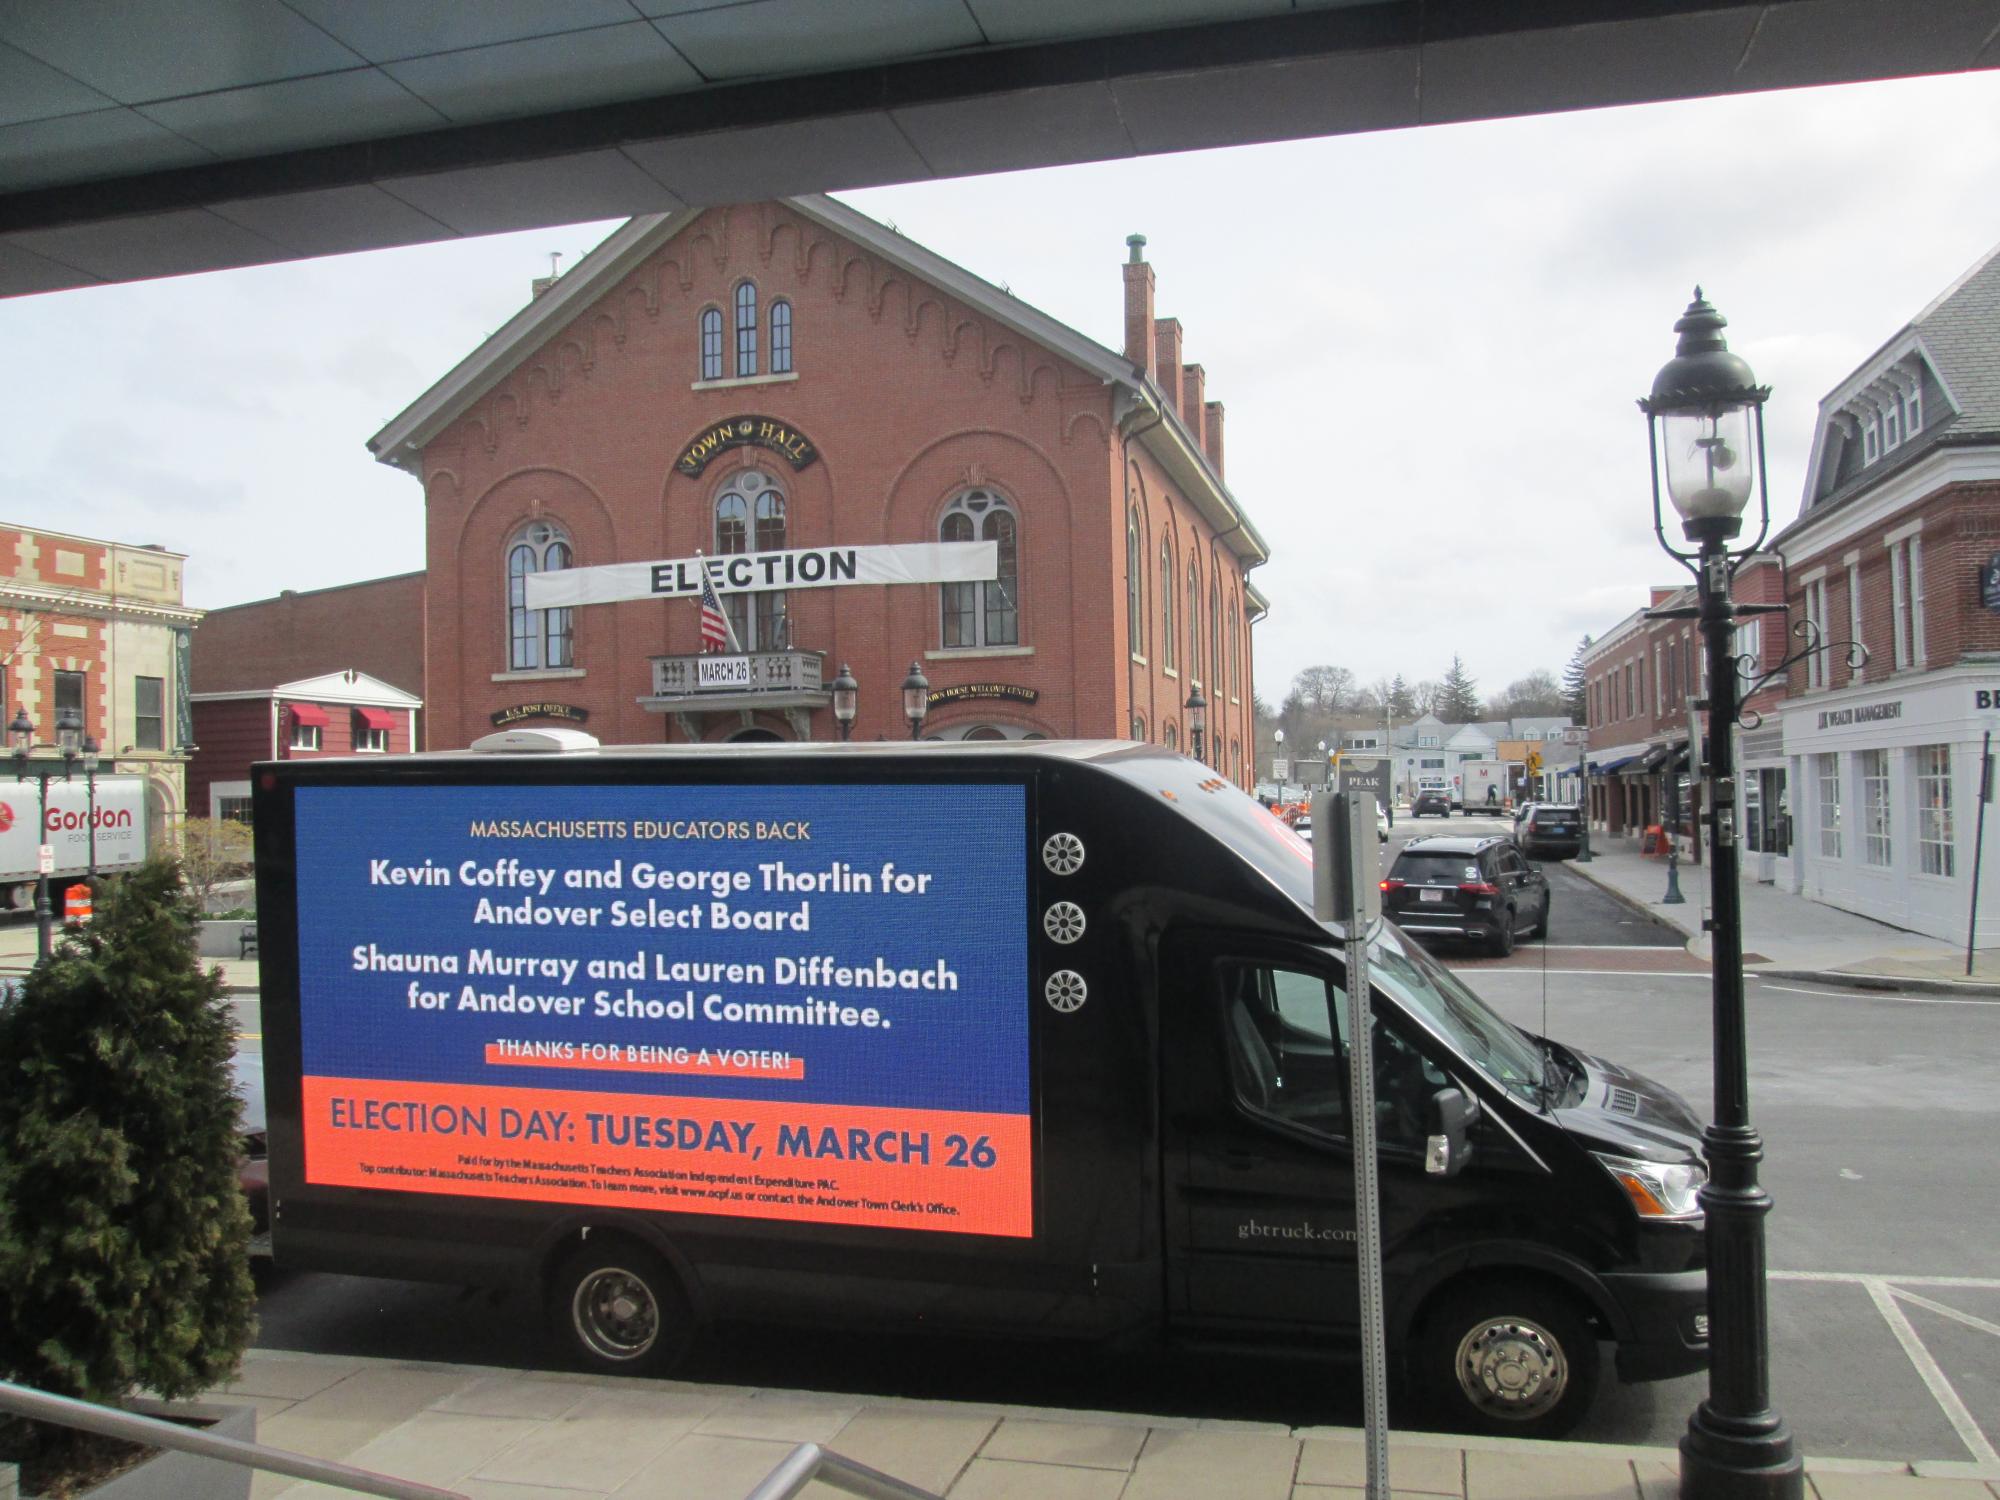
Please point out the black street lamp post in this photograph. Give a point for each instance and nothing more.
(846, 700)
(1705, 423)
(69, 739)
(1197, 712)
(916, 698)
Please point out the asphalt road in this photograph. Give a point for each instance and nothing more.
(1878, 1113)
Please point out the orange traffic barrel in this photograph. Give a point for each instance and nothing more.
(76, 905)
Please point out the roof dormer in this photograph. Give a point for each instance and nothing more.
(1878, 411)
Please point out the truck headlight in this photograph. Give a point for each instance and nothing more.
(1658, 1190)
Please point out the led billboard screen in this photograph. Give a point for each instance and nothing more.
(788, 1002)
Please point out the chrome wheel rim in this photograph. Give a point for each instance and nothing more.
(616, 1314)
(1511, 1368)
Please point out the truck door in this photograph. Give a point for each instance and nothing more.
(1259, 1171)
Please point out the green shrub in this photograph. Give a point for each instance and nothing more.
(123, 1236)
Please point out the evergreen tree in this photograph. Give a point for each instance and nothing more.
(1458, 702)
(124, 1238)
(1574, 690)
(1402, 702)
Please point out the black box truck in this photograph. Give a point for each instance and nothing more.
(1018, 1037)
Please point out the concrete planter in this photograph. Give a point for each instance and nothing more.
(222, 939)
(176, 1476)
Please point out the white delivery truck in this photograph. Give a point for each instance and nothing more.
(1484, 786)
(81, 818)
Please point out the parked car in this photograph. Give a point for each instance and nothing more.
(1480, 890)
(1438, 803)
(1550, 829)
(253, 1171)
(1381, 826)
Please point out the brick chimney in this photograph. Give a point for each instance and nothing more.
(1139, 347)
(1167, 348)
(1211, 438)
(1194, 403)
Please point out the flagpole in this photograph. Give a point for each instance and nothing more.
(708, 592)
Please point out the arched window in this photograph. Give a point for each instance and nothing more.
(982, 614)
(1173, 739)
(1194, 622)
(1139, 728)
(750, 517)
(1218, 684)
(1235, 659)
(781, 337)
(746, 329)
(711, 343)
(536, 638)
(1135, 585)
(1166, 605)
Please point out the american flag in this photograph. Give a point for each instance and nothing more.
(715, 632)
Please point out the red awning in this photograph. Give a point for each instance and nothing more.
(307, 713)
(375, 718)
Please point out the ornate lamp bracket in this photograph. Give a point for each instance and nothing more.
(1810, 643)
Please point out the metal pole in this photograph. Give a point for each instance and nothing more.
(1364, 868)
(90, 817)
(1979, 842)
(1736, 1445)
(42, 913)
(1670, 820)
(1583, 855)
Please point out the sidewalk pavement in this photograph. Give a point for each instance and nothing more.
(1788, 936)
(519, 1435)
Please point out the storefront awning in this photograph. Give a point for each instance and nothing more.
(375, 718)
(1606, 767)
(1658, 757)
(307, 713)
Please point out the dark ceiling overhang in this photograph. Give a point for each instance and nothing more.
(123, 159)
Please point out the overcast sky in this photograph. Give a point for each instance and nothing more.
(1428, 341)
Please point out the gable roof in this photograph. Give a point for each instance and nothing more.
(401, 440)
(349, 686)
(1948, 356)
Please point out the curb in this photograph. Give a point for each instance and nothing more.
(1975, 989)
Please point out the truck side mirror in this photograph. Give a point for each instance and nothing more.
(1452, 1115)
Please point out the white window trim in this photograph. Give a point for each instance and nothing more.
(729, 382)
(217, 790)
(1902, 533)
(361, 749)
(1917, 652)
(1138, 659)
(538, 674)
(1859, 672)
(1898, 595)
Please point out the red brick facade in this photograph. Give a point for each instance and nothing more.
(914, 388)
(375, 627)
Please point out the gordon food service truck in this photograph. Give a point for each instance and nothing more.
(114, 809)
(1002, 1037)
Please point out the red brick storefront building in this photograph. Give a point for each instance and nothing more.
(792, 374)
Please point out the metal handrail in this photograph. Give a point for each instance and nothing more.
(809, 1461)
(65, 1411)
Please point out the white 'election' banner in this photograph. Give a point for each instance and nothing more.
(744, 572)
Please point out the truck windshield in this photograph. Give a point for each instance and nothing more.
(1422, 985)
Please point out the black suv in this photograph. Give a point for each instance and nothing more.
(1478, 889)
(1548, 829)
(1431, 802)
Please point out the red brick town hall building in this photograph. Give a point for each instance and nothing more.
(793, 377)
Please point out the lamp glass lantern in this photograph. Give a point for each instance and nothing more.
(1197, 712)
(69, 733)
(916, 697)
(1705, 424)
(846, 700)
(21, 733)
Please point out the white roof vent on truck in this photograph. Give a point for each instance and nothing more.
(536, 742)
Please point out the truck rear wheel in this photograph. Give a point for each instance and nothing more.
(618, 1309)
(1513, 1359)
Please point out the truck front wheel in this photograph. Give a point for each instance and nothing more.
(618, 1309)
(1512, 1359)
